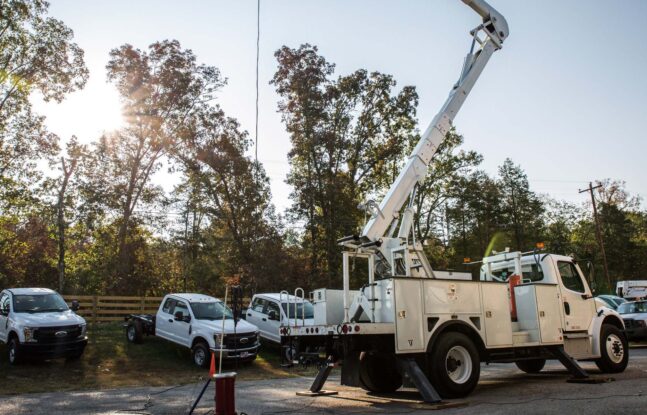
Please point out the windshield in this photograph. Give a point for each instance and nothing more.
(298, 307)
(211, 311)
(629, 308)
(40, 303)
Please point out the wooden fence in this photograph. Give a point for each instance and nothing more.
(101, 308)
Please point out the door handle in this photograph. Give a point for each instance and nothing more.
(170, 320)
(264, 319)
(567, 308)
(249, 314)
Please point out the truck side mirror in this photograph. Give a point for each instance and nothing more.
(272, 315)
(75, 305)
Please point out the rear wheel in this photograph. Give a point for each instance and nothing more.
(614, 350)
(531, 366)
(201, 356)
(454, 366)
(378, 372)
(134, 332)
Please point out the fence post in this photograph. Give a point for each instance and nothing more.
(94, 311)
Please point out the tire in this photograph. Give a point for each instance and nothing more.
(614, 350)
(134, 332)
(454, 365)
(531, 366)
(15, 354)
(378, 372)
(201, 355)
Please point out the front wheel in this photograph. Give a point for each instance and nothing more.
(454, 366)
(201, 355)
(614, 350)
(15, 355)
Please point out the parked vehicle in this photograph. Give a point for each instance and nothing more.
(612, 301)
(196, 321)
(632, 290)
(36, 323)
(407, 323)
(634, 315)
(269, 311)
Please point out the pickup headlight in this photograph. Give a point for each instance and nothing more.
(29, 334)
(84, 328)
(218, 338)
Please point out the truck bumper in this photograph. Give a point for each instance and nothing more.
(240, 354)
(54, 350)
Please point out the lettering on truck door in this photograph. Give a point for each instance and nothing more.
(577, 302)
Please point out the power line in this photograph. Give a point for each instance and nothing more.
(258, 41)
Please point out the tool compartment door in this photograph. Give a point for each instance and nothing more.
(496, 310)
(409, 316)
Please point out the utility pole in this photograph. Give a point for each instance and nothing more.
(598, 232)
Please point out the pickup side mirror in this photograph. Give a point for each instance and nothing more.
(75, 305)
(272, 315)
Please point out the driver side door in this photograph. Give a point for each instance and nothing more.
(577, 302)
(5, 304)
(273, 325)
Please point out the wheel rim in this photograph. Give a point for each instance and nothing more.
(12, 354)
(458, 364)
(131, 333)
(199, 357)
(615, 348)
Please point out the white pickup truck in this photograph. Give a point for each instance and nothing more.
(196, 321)
(269, 311)
(36, 323)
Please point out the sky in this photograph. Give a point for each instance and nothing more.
(566, 97)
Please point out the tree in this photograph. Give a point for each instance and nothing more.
(522, 209)
(37, 54)
(349, 136)
(160, 90)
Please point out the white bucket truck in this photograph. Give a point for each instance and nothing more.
(409, 324)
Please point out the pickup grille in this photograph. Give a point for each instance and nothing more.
(240, 340)
(630, 323)
(60, 334)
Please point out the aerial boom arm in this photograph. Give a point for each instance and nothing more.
(495, 29)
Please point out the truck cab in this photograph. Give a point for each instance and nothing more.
(36, 323)
(270, 311)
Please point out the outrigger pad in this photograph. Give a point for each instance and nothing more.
(590, 380)
(315, 394)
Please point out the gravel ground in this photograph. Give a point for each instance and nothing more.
(502, 390)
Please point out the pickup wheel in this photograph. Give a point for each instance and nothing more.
(135, 332)
(378, 372)
(15, 354)
(531, 366)
(201, 355)
(453, 365)
(614, 350)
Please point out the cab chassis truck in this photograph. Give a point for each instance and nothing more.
(409, 325)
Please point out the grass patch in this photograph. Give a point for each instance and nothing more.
(110, 361)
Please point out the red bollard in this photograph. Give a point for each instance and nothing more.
(225, 393)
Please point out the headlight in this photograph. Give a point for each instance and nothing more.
(83, 330)
(29, 334)
(218, 339)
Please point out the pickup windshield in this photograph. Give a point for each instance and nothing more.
(41, 303)
(297, 309)
(211, 311)
(630, 308)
